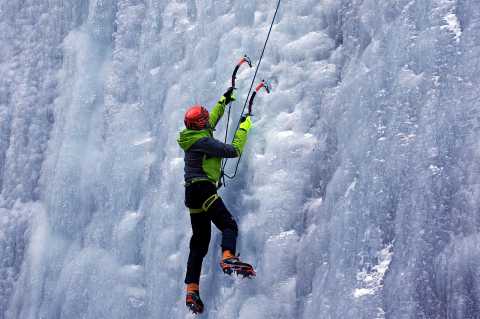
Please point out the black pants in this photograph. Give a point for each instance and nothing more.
(195, 196)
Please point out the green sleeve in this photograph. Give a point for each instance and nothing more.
(241, 134)
(240, 140)
(217, 112)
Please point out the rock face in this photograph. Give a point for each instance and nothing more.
(358, 192)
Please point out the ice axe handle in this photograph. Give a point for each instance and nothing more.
(262, 84)
(250, 103)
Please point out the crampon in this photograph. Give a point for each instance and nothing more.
(194, 303)
(234, 265)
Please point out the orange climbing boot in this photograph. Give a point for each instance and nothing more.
(231, 264)
(193, 301)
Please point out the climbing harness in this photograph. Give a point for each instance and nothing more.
(205, 206)
(262, 84)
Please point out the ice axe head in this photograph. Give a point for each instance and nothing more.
(263, 84)
(244, 59)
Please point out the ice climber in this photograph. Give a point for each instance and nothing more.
(203, 156)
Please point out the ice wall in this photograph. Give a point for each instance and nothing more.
(356, 197)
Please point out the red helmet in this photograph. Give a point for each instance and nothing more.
(196, 117)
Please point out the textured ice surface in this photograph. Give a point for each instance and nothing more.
(358, 193)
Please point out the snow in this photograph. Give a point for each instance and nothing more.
(373, 280)
(144, 140)
(357, 194)
(454, 25)
(409, 79)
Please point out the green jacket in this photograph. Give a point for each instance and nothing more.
(203, 153)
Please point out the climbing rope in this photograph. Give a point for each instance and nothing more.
(246, 100)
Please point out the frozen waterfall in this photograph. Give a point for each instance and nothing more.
(358, 195)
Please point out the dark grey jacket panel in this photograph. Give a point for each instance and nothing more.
(212, 148)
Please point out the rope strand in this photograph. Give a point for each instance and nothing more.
(249, 92)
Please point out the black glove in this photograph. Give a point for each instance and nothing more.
(229, 95)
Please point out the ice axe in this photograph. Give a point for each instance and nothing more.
(243, 60)
(263, 84)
